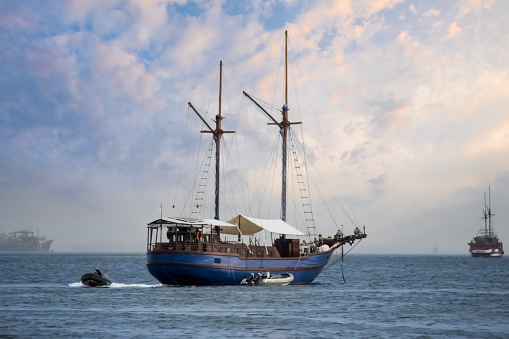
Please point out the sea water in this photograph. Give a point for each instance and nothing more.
(385, 296)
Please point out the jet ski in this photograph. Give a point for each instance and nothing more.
(95, 279)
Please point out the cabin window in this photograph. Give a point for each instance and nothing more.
(217, 260)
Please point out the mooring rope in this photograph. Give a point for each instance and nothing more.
(341, 258)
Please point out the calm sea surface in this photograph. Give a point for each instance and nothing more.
(384, 297)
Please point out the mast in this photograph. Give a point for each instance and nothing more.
(217, 134)
(217, 139)
(286, 67)
(284, 129)
(284, 126)
(485, 215)
(489, 212)
(488, 230)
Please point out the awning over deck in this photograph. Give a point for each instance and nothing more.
(249, 226)
(246, 225)
(190, 222)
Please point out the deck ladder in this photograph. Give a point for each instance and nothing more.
(304, 195)
(201, 190)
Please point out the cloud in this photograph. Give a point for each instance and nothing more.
(378, 186)
(475, 5)
(495, 140)
(411, 47)
(413, 9)
(453, 32)
(368, 8)
(432, 12)
(126, 73)
(398, 116)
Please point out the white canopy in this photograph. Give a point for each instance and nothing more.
(190, 222)
(246, 225)
(249, 226)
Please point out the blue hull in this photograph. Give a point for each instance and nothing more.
(226, 269)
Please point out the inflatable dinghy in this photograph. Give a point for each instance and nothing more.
(266, 278)
(95, 279)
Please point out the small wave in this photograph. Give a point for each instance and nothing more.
(77, 284)
(120, 285)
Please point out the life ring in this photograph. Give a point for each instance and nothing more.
(199, 236)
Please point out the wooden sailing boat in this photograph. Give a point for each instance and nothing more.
(186, 251)
(486, 243)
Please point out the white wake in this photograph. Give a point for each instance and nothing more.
(117, 285)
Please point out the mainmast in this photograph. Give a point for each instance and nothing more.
(217, 134)
(284, 126)
(284, 131)
(488, 230)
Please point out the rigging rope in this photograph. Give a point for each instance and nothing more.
(343, 273)
(341, 258)
(354, 220)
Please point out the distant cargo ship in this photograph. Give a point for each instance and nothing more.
(24, 241)
(486, 243)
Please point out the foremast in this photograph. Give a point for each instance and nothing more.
(217, 133)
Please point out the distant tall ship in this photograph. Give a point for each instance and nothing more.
(486, 243)
(24, 241)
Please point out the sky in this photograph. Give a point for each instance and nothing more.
(409, 117)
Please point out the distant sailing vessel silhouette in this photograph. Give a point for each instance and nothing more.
(24, 241)
(190, 251)
(486, 243)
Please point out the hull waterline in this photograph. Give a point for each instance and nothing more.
(214, 269)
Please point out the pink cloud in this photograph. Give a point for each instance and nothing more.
(454, 31)
(411, 47)
(398, 117)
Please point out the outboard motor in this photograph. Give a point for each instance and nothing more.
(257, 279)
(249, 279)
